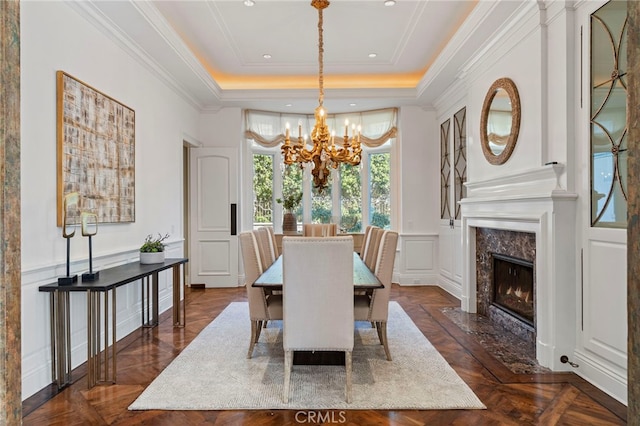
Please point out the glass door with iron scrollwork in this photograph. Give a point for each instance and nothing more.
(453, 175)
(609, 116)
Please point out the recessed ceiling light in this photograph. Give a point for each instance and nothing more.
(373, 55)
(249, 3)
(390, 2)
(352, 104)
(288, 105)
(266, 56)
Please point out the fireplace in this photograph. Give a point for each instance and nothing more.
(513, 289)
(528, 214)
(503, 258)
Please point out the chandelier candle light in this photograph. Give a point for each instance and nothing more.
(324, 153)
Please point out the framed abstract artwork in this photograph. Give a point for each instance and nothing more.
(95, 152)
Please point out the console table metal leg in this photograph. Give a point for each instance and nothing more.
(154, 284)
(60, 338)
(92, 337)
(179, 311)
(150, 301)
(101, 365)
(146, 303)
(106, 335)
(114, 348)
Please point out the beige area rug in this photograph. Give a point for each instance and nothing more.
(213, 373)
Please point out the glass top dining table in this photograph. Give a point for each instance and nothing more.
(363, 278)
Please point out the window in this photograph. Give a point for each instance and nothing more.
(347, 184)
(350, 198)
(380, 190)
(357, 196)
(292, 184)
(322, 204)
(263, 193)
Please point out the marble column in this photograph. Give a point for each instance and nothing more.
(10, 339)
(633, 229)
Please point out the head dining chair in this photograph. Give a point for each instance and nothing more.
(262, 307)
(317, 299)
(374, 307)
(319, 229)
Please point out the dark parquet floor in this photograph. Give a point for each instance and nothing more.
(541, 398)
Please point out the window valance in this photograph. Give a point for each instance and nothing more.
(267, 128)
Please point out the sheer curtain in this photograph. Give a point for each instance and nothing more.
(267, 128)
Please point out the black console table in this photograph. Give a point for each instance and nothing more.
(98, 294)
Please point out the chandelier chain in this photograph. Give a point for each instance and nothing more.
(320, 58)
(324, 155)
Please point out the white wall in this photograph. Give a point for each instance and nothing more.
(418, 166)
(516, 56)
(55, 37)
(221, 128)
(419, 157)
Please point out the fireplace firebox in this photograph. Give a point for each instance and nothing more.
(513, 287)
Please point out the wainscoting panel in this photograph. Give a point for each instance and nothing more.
(605, 290)
(417, 261)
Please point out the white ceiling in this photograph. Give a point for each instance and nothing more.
(212, 51)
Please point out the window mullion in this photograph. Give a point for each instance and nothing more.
(366, 193)
(335, 196)
(306, 195)
(277, 192)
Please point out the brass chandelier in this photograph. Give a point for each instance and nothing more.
(324, 153)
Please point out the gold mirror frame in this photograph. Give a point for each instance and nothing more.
(509, 86)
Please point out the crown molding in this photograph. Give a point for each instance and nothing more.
(518, 27)
(166, 32)
(94, 16)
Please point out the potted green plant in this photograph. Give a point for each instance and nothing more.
(152, 250)
(290, 203)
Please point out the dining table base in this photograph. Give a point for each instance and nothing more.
(318, 358)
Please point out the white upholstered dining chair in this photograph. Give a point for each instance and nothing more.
(365, 241)
(274, 244)
(373, 245)
(317, 299)
(374, 307)
(319, 229)
(262, 307)
(266, 246)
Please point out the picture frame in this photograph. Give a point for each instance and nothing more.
(95, 152)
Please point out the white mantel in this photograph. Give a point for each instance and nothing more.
(530, 201)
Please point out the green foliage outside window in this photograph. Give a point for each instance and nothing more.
(292, 188)
(262, 188)
(351, 197)
(380, 184)
(321, 203)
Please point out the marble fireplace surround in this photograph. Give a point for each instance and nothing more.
(518, 245)
(531, 201)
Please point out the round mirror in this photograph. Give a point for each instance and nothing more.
(500, 121)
